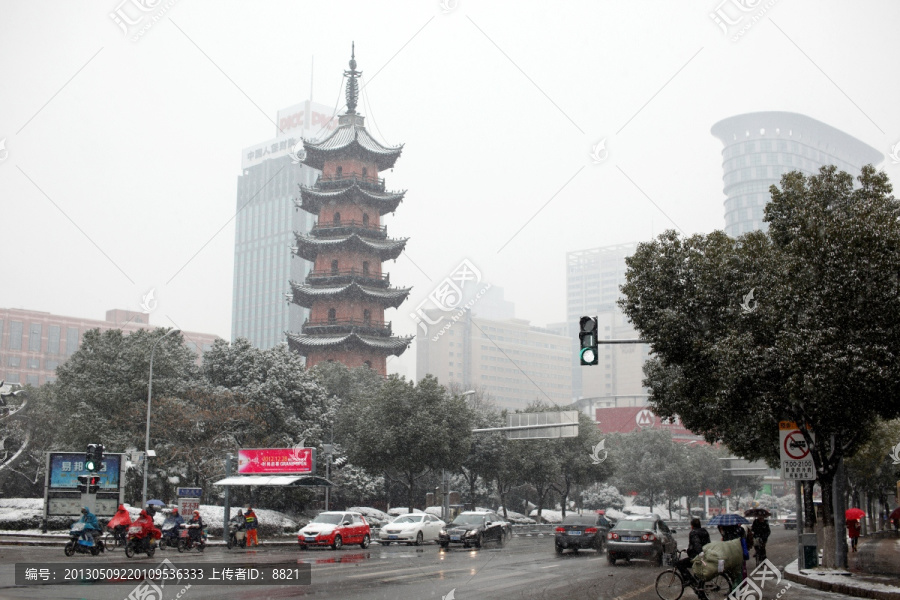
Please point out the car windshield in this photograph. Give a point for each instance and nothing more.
(634, 525)
(468, 520)
(408, 519)
(331, 519)
(578, 520)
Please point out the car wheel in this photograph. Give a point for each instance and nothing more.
(610, 559)
(70, 549)
(420, 539)
(365, 542)
(445, 545)
(559, 549)
(478, 541)
(338, 542)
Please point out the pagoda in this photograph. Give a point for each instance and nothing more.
(347, 290)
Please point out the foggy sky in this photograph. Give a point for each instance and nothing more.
(123, 155)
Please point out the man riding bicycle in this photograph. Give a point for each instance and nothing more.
(698, 538)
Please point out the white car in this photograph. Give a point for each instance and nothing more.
(416, 528)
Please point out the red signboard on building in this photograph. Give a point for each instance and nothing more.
(276, 461)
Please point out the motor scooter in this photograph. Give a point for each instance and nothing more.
(237, 536)
(83, 541)
(170, 534)
(138, 543)
(186, 542)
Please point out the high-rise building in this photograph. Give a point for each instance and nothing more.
(513, 361)
(761, 146)
(265, 222)
(593, 278)
(34, 343)
(347, 291)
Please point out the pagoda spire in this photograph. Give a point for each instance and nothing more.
(352, 84)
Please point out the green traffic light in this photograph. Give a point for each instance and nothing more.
(89, 465)
(588, 356)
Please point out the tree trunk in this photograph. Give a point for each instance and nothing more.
(809, 511)
(411, 481)
(826, 482)
(472, 483)
(840, 522)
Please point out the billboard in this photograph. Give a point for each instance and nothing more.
(276, 461)
(65, 467)
(304, 120)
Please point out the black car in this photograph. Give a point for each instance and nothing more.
(473, 528)
(644, 536)
(790, 522)
(578, 532)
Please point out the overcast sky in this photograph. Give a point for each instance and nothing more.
(123, 150)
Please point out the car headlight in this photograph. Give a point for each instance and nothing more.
(471, 532)
(442, 532)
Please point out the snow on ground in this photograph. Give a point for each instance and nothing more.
(399, 510)
(839, 576)
(548, 516)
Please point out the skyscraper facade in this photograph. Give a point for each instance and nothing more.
(265, 222)
(761, 146)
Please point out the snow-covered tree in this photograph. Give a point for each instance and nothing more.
(602, 496)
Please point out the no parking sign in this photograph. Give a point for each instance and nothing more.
(796, 459)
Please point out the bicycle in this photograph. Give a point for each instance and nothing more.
(759, 551)
(115, 538)
(670, 584)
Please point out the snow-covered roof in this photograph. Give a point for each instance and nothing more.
(308, 247)
(305, 294)
(350, 140)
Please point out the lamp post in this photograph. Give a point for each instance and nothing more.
(445, 480)
(149, 394)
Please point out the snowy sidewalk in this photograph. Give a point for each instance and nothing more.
(846, 583)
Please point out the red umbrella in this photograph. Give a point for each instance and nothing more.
(854, 514)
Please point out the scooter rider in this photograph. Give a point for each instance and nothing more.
(91, 526)
(196, 533)
(173, 525)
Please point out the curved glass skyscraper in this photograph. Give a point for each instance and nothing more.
(761, 146)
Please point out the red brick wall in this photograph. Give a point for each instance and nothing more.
(349, 212)
(347, 309)
(351, 359)
(348, 259)
(350, 166)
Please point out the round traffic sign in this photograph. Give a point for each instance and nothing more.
(795, 445)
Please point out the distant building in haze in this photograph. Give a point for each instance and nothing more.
(265, 222)
(34, 343)
(593, 278)
(761, 146)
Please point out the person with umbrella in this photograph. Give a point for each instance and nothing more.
(760, 530)
(852, 516)
(895, 518)
(730, 527)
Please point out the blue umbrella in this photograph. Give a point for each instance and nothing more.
(728, 519)
(155, 503)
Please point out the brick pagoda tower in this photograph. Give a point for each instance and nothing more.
(347, 292)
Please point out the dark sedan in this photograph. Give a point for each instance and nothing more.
(473, 528)
(644, 536)
(578, 532)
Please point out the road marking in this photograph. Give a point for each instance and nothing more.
(634, 593)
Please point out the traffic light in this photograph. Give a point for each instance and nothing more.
(587, 336)
(93, 457)
(88, 483)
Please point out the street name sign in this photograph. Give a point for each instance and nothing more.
(796, 459)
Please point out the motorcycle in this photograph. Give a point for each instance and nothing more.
(237, 536)
(186, 542)
(138, 543)
(83, 541)
(171, 534)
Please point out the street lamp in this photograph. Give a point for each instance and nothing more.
(149, 394)
(445, 479)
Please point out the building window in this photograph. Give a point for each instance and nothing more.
(368, 363)
(365, 267)
(33, 363)
(334, 267)
(13, 361)
(337, 218)
(34, 338)
(53, 339)
(332, 315)
(71, 340)
(367, 317)
(12, 378)
(365, 219)
(32, 380)
(15, 335)
(340, 170)
(50, 365)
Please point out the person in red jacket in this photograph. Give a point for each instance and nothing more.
(118, 525)
(250, 519)
(145, 522)
(853, 530)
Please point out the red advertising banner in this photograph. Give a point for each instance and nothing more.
(276, 461)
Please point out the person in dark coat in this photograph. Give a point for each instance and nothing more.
(761, 531)
(698, 538)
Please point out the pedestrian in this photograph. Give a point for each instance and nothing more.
(761, 531)
(853, 530)
(250, 519)
(698, 538)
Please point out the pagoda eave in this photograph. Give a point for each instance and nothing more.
(309, 247)
(305, 344)
(312, 199)
(304, 294)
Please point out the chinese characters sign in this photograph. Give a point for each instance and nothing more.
(65, 467)
(276, 461)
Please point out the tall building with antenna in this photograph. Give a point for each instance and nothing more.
(265, 222)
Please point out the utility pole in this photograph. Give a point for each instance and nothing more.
(227, 500)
